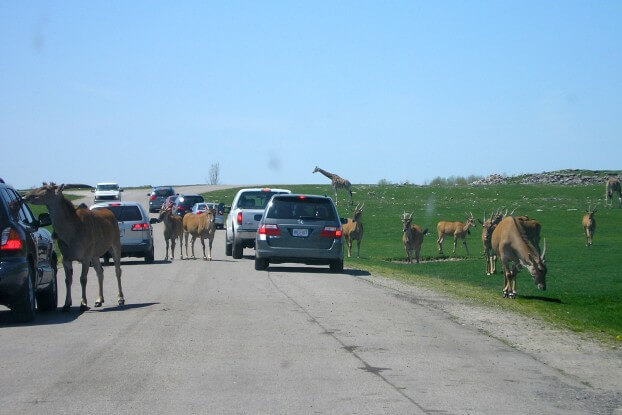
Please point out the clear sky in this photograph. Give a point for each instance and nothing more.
(155, 92)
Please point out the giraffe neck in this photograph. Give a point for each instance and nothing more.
(325, 173)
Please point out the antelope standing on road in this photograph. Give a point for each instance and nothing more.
(353, 230)
(200, 226)
(173, 230)
(412, 237)
(589, 225)
(458, 230)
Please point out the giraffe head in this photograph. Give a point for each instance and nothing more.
(316, 169)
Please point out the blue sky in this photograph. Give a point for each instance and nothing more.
(155, 92)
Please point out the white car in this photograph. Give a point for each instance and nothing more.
(107, 191)
(201, 207)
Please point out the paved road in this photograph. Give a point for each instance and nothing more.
(219, 337)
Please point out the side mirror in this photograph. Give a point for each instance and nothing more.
(44, 219)
(92, 190)
(153, 220)
(343, 220)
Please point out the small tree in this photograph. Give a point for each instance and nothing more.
(214, 173)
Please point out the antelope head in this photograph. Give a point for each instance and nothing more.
(406, 220)
(471, 221)
(590, 212)
(44, 195)
(357, 212)
(537, 268)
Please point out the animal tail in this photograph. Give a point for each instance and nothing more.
(425, 231)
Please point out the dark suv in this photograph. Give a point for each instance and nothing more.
(158, 197)
(27, 258)
(183, 203)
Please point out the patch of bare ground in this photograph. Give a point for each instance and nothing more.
(586, 360)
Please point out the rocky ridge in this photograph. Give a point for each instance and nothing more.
(563, 177)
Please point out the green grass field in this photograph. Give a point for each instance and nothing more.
(584, 284)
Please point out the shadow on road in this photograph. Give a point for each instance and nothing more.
(316, 270)
(120, 307)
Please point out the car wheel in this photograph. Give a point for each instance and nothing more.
(47, 300)
(336, 266)
(149, 257)
(25, 311)
(236, 251)
(261, 264)
(228, 248)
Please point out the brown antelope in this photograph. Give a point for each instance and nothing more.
(612, 186)
(200, 226)
(173, 230)
(412, 237)
(589, 225)
(512, 245)
(337, 182)
(83, 235)
(532, 228)
(353, 230)
(455, 229)
(488, 226)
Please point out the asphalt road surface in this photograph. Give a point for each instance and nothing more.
(199, 337)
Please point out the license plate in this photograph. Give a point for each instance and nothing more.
(301, 233)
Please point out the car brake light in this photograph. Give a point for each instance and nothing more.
(152, 197)
(179, 208)
(270, 230)
(10, 240)
(199, 212)
(239, 218)
(114, 204)
(265, 189)
(302, 197)
(140, 227)
(331, 232)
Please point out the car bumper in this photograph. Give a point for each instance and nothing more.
(301, 255)
(13, 279)
(139, 249)
(245, 234)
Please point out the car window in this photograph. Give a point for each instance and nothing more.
(254, 200)
(191, 200)
(163, 192)
(307, 208)
(17, 208)
(107, 187)
(4, 202)
(125, 213)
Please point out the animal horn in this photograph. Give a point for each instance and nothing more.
(512, 212)
(543, 250)
(362, 206)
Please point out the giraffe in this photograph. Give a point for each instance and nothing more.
(336, 181)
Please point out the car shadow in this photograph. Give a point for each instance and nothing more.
(316, 270)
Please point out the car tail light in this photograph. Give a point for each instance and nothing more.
(10, 240)
(199, 212)
(270, 230)
(179, 208)
(114, 204)
(140, 227)
(331, 232)
(152, 197)
(239, 218)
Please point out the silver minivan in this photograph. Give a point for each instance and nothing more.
(299, 228)
(134, 227)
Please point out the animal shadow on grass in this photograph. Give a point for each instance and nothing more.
(540, 298)
(7, 318)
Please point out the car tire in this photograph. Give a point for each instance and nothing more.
(336, 266)
(149, 257)
(25, 310)
(236, 251)
(228, 249)
(47, 300)
(261, 264)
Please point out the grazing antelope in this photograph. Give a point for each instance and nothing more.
(488, 226)
(512, 245)
(412, 237)
(337, 182)
(589, 225)
(173, 230)
(612, 186)
(200, 226)
(455, 229)
(83, 235)
(353, 230)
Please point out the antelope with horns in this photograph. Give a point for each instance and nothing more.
(200, 226)
(173, 230)
(589, 225)
(488, 227)
(412, 237)
(511, 244)
(83, 235)
(612, 186)
(353, 230)
(458, 230)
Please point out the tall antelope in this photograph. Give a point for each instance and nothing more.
(589, 225)
(412, 237)
(511, 244)
(337, 182)
(83, 235)
(488, 226)
(353, 230)
(612, 186)
(173, 230)
(200, 226)
(458, 230)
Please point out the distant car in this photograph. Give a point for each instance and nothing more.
(243, 219)
(158, 197)
(27, 258)
(299, 228)
(135, 229)
(219, 220)
(107, 191)
(183, 203)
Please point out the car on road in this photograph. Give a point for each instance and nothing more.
(107, 191)
(299, 228)
(158, 197)
(243, 219)
(134, 228)
(219, 208)
(28, 262)
(183, 204)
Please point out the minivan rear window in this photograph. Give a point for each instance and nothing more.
(163, 192)
(301, 208)
(191, 200)
(125, 213)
